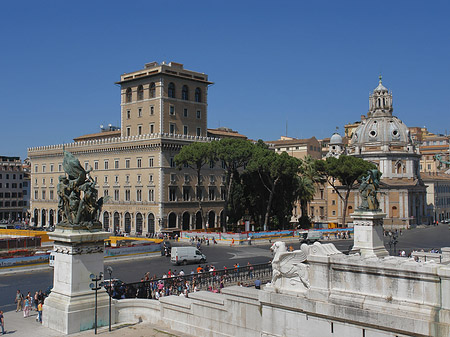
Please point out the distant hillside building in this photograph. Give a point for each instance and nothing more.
(163, 108)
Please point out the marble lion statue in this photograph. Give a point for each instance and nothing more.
(289, 264)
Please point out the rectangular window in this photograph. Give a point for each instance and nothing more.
(51, 182)
(185, 112)
(150, 161)
(127, 179)
(333, 212)
(106, 164)
(199, 132)
(116, 163)
(150, 178)
(106, 179)
(127, 163)
(172, 128)
(35, 194)
(172, 162)
(59, 167)
(95, 165)
(199, 193)
(185, 130)
(321, 194)
(152, 128)
(139, 130)
(43, 194)
(116, 195)
(186, 178)
(128, 114)
(172, 193)
(186, 193)
(139, 112)
(105, 193)
(172, 110)
(116, 179)
(173, 178)
(212, 193)
(51, 167)
(127, 195)
(152, 110)
(128, 131)
(333, 202)
(43, 182)
(211, 179)
(86, 165)
(211, 164)
(199, 114)
(139, 178)
(151, 194)
(138, 195)
(36, 168)
(43, 170)
(51, 194)
(139, 162)
(223, 193)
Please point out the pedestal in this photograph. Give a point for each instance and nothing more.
(71, 304)
(368, 233)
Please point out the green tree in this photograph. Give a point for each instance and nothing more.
(235, 154)
(196, 156)
(343, 171)
(273, 169)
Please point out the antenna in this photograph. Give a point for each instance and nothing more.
(286, 127)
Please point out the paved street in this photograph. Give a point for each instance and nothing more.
(133, 268)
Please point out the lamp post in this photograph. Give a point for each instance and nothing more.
(109, 269)
(96, 288)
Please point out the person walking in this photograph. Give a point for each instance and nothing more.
(39, 318)
(19, 300)
(26, 307)
(2, 322)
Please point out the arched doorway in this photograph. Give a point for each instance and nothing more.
(212, 219)
(151, 223)
(116, 222)
(43, 218)
(139, 221)
(106, 221)
(222, 221)
(35, 217)
(51, 218)
(127, 223)
(186, 221)
(198, 220)
(172, 220)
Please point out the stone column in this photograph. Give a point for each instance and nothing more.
(368, 233)
(70, 306)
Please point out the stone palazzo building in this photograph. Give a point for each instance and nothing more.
(163, 108)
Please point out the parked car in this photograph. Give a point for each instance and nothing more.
(185, 255)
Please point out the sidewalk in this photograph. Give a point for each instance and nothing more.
(18, 326)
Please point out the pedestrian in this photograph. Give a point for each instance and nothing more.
(39, 318)
(26, 307)
(257, 284)
(2, 322)
(36, 300)
(19, 300)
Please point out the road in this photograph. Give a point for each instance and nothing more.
(133, 269)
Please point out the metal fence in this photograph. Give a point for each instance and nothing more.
(211, 280)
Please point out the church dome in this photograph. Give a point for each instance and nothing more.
(384, 129)
(336, 138)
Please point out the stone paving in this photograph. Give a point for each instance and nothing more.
(17, 326)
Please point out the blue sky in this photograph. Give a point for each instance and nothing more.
(310, 64)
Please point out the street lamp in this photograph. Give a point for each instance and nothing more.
(96, 288)
(109, 269)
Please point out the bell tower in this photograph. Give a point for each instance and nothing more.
(380, 101)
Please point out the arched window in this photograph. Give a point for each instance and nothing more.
(172, 220)
(198, 220)
(151, 223)
(212, 219)
(127, 223)
(106, 221)
(171, 91)
(140, 93)
(185, 93)
(139, 221)
(116, 222)
(128, 95)
(152, 90)
(198, 95)
(186, 221)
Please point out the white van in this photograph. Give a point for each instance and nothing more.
(185, 255)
